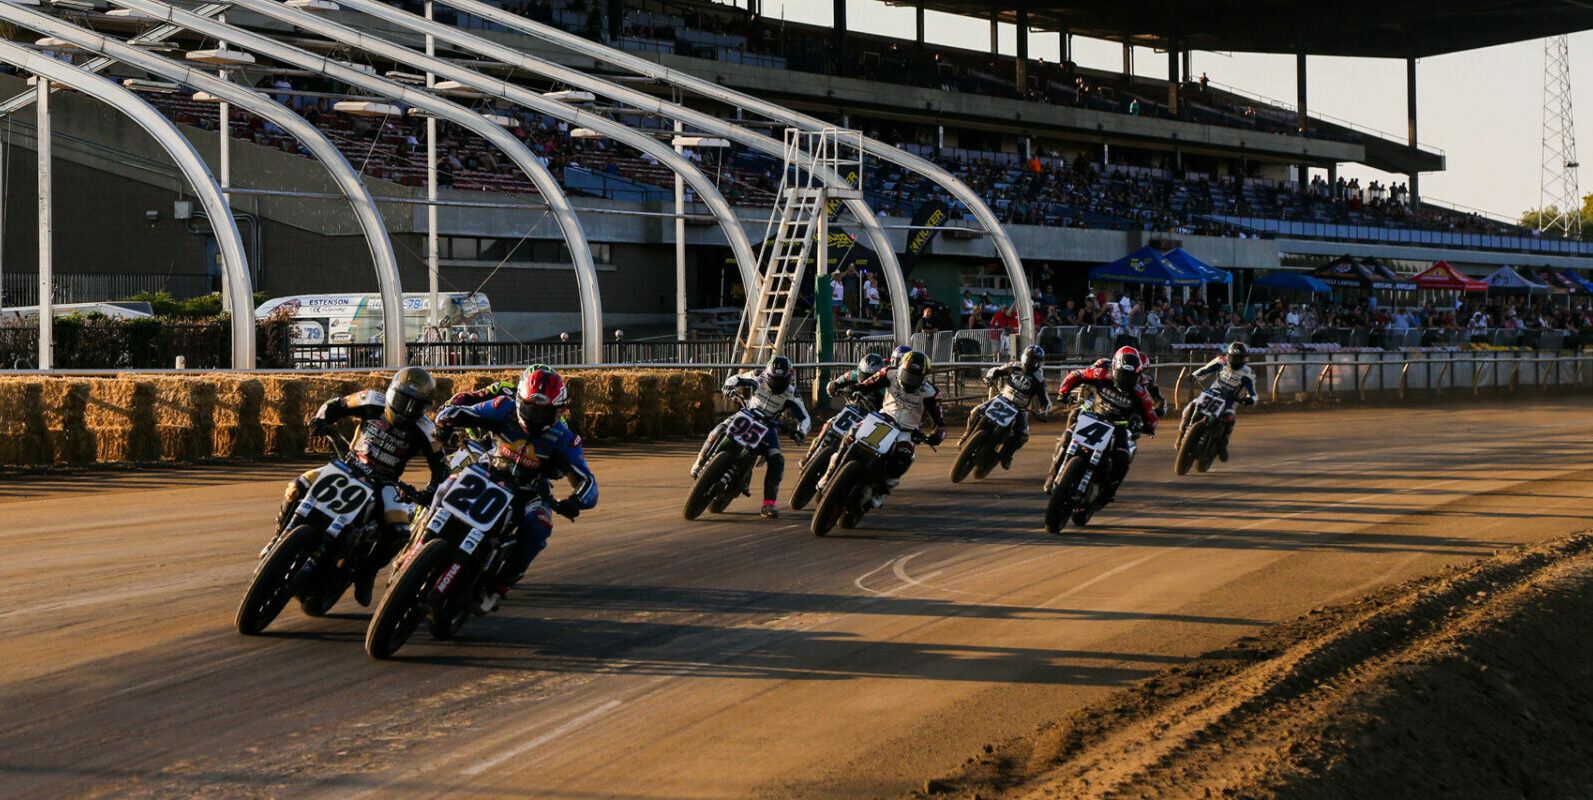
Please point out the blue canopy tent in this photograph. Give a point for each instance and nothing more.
(1145, 265)
(1188, 263)
(1578, 279)
(1293, 281)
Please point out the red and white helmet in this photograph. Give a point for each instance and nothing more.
(539, 399)
(1127, 367)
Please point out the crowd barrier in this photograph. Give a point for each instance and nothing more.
(144, 417)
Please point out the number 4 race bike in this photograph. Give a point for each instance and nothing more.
(857, 473)
(817, 461)
(727, 469)
(982, 448)
(315, 556)
(462, 536)
(1079, 474)
(1198, 444)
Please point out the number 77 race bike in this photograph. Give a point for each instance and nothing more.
(1197, 445)
(462, 536)
(857, 473)
(332, 532)
(1079, 473)
(727, 469)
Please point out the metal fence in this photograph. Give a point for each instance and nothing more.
(22, 288)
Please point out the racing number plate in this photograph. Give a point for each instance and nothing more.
(339, 494)
(844, 421)
(747, 430)
(476, 501)
(1092, 432)
(1000, 412)
(1210, 403)
(875, 433)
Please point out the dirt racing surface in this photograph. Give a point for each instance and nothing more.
(1470, 683)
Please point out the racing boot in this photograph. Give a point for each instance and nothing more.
(877, 499)
(769, 511)
(365, 573)
(1222, 444)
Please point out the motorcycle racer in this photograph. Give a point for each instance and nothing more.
(1235, 381)
(909, 399)
(847, 381)
(1023, 384)
(393, 429)
(771, 392)
(529, 435)
(1123, 398)
(503, 388)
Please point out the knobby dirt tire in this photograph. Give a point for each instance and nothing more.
(837, 498)
(268, 591)
(706, 488)
(404, 606)
(1190, 448)
(1064, 494)
(991, 456)
(807, 484)
(972, 455)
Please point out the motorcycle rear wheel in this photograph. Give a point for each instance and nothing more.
(1064, 495)
(406, 603)
(972, 456)
(707, 487)
(838, 498)
(807, 484)
(270, 589)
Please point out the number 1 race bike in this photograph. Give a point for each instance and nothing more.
(462, 536)
(1079, 475)
(315, 556)
(1198, 444)
(982, 448)
(727, 469)
(817, 461)
(857, 473)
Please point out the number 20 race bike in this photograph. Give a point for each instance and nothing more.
(1079, 474)
(981, 451)
(727, 470)
(1198, 445)
(817, 461)
(316, 554)
(857, 473)
(462, 536)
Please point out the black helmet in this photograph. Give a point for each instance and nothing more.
(1127, 366)
(777, 376)
(870, 364)
(1033, 358)
(409, 395)
(911, 370)
(1237, 353)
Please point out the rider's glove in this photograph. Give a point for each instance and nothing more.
(569, 507)
(321, 426)
(1161, 408)
(936, 437)
(799, 437)
(1248, 400)
(447, 416)
(425, 496)
(458, 399)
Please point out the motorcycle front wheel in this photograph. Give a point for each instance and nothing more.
(838, 498)
(1191, 447)
(271, 588)
(1065, 494)
(972, 456)
(406, 603)
(707, 486)
(807, 484)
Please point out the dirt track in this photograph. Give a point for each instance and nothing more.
(648, 657)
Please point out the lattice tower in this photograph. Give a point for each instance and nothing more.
(1557, 188)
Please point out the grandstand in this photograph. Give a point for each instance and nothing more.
(1079, 165)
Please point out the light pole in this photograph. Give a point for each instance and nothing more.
(681, 143)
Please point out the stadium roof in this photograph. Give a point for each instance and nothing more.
(1373, 28)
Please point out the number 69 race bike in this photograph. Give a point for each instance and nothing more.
(1079, 474)
(817, 461)
(981, 451)
(314, 557)
(460, 537)
(1198, 444)
(727, 469)
(857, 473)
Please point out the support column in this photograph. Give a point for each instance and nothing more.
(995, 31)
(1065, 46)
(1302, 116)
(919, 38)
(680, 246)
(1022, 75)
(616, 19)
(1172, 81)
(46, 231)
(1410, 115)
(433, 316)
(1128, 61)
(841, 65)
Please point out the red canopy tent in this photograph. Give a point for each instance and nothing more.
(1443, 277)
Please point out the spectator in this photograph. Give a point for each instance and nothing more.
(1006, 320)
(871, 297)
(926, 323)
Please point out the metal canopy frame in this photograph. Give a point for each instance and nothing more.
(558, 203)
(624, 134)
(885, 152)
(343, 174)
(239, 299)
(896, 285)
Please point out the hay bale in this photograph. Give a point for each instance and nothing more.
(286, 440)
(22, 444)
(236, 432)
(286, 400)
(183, 442)
(16, 400)
(238, 441)
(62, 401)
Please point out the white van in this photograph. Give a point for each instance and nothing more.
(334, 319)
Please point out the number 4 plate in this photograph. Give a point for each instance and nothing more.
(1092, 432)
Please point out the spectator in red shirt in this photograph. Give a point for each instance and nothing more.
(1005, 319)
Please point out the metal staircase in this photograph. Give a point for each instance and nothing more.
(797, 234)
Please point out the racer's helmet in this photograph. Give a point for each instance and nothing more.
(912, 369)
(777, 375)
(870, 364)
(409, 395)
(1127, 367)
(901, 350)
(1238, 353)
(1033, 359)
(540, 398)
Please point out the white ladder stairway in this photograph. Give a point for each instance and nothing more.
(785, 268)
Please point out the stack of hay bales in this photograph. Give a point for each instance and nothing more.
(237, 416)
(185, 417)
(23, 437)
(120, 415)
(62, 403)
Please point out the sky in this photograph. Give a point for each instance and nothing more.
(1484, 108)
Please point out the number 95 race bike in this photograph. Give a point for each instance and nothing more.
(727, 466)
(315, 555)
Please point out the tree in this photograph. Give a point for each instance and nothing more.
(1535, 218)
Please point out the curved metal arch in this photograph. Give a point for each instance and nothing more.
(343, 174)
(874, 147)
(896, 285)
(240, 292)
(746, 261)
(558, 203)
